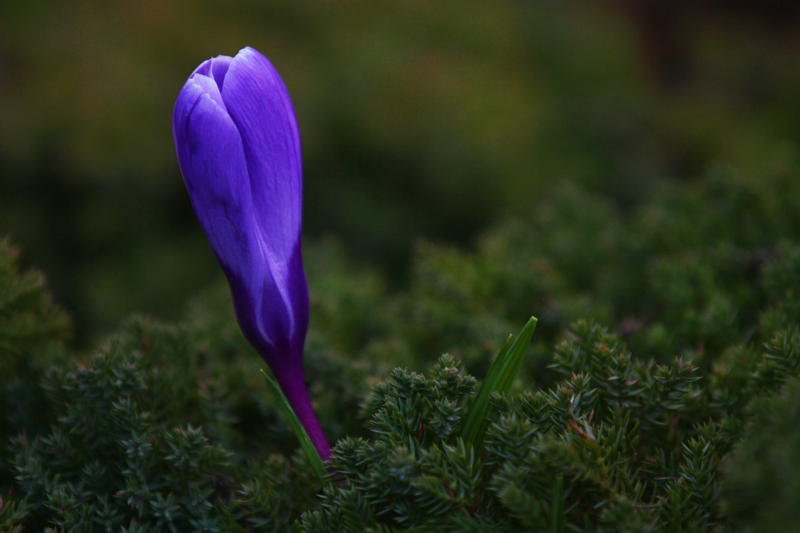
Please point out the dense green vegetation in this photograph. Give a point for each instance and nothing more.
(659, 393)
(417, 119)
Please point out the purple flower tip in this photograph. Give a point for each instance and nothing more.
(239, 151)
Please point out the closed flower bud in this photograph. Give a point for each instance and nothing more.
(239, 151)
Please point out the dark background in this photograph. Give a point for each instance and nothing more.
(418, 119)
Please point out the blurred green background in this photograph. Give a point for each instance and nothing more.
(418, 119)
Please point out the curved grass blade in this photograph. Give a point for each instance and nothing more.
(311, 452)
(500, 378)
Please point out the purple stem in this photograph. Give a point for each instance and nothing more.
(293, 385)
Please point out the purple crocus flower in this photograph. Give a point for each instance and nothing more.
(239, 151)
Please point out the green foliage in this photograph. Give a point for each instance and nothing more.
(618, 444)
(120, 454)
(28, 319)
(32, 331)
(571, 453)
(667, 345)
(416, 119)
(12, 516)
(499, 379)
(762, 488)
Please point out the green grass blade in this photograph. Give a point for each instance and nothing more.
(478, 410)
(311, 452)
(515, 355)
(500, 378)
(559, 519)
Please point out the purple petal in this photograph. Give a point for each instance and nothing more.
(212, 159)
(259, 105)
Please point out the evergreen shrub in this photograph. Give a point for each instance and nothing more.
(660, 392)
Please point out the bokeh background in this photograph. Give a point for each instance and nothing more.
(419, 119)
